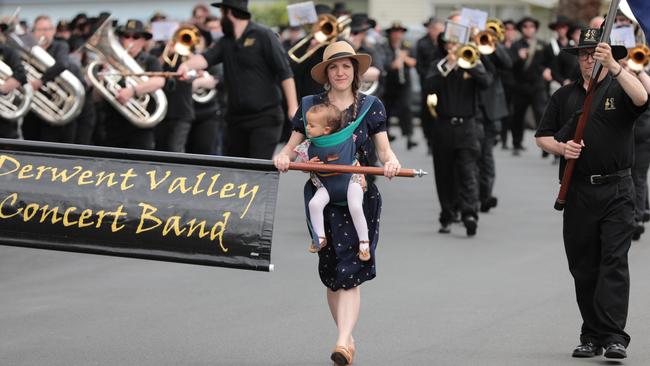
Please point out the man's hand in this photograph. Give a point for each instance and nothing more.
(604, 55)
(547, 74)
(572, 150)
(182, 71)
(36, 84)
(523, 53)
(124, 94)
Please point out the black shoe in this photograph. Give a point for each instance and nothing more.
(587, 350)
(488, 204)
(516, 151)
(391, 138)
(410, 144)
(470, 225)
(615, 350)
(646, 216)
(544, 154)
(445, 229)
(504, 147)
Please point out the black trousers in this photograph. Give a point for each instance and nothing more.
(426, 119)
(204, 135)
(640, 177)
(455, 150)
(522, 99)
(34, 128)
(8, 129)
(254, 136)
(397, 102)
(598, 225)
(171, 134)
(86, 121)
(121, 133)
(488, 131)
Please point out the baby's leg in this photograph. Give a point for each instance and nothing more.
(355, 204)
(316, 206)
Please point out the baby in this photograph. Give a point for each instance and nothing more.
(326, 119)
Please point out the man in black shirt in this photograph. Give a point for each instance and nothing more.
(9, 129)
(120, 132)
(455, 142)
(254, 64)
(599, 213)
(532, 71)
(427, 49)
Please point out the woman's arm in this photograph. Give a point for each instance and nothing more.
(386, 154)
(284, 157)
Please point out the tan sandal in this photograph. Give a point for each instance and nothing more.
(353, 352)
(341, 356)
(322, 243)
(364, 255)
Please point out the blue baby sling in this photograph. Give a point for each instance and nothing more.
(340, 147)
(337, 148)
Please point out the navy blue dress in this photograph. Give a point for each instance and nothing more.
(338, 265)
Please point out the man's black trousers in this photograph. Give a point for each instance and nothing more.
(598, 225)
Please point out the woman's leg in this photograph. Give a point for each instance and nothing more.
(347, 314)
(333, 300)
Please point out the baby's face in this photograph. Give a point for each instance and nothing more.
(317, 125)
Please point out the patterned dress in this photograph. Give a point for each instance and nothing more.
(338, 265)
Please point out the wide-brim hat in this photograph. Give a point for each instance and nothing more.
(559, 21)
(337, 51)
(359, 23)
(589, 38)
(429, 21)
(241, 5)
(134, 26)
(527, 19)
(396, 26)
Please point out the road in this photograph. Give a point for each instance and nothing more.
(504, 297)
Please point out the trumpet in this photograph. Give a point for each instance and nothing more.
(145, 111)
(15, 104)
(638, 57)
(184, 41)
(327, 29)
(486, 42)
(496, 26)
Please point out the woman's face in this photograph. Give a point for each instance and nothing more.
(340, 74)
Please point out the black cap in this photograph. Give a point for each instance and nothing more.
(133, 26)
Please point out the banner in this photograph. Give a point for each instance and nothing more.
(185, 208)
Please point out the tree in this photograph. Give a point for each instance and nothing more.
(580, 10)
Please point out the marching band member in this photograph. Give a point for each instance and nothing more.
(9, 129)
(508, 80)
(119, 131)
(254, 63)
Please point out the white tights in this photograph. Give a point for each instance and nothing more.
(355, 205)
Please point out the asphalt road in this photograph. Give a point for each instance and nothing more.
(504, 297)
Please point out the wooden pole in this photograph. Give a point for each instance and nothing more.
(353, 169)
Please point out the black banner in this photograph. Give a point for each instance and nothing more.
(165, 206)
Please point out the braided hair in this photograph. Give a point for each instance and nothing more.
(356, 83)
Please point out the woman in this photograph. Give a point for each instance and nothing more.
(339, 268)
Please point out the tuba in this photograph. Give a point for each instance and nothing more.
(638, 57)
(15, 104)
(145, 111)
(327, 29)
(58, 101)
(203, 95)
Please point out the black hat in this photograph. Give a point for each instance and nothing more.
(63, 25)
(589, 38)
(323, 9)
(340, 9)
(509, 21)
(431, 20)
(561, 20)
(134, 26)
(359, 23)
(527, 19)
(396, 26)
(241, 5)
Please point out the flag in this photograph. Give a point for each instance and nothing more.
(641, 11)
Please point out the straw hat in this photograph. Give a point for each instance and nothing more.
(336, 51)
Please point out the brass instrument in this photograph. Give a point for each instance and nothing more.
(144, 111)
(467, 56)
(486, 42)
(638, 57)
(326, 30)
(183, 44)
(496, 26)
(369, 87)
(58, 101)
(203, 95)
(16, 103)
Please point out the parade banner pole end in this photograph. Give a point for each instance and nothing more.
(559, 204)
(271, 267)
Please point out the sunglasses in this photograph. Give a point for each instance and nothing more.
(131, 36)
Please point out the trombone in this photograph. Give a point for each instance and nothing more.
(638, 57)
(468, 57)
(324, 31)
(183, 43)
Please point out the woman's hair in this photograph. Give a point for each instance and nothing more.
(356, 84)
(333, 116)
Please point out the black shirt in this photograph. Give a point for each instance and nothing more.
(60, 51)
(426, 51)
(180, 105)
(458, 91)
(528, 75)
(394, 77)
(10, 57)
(254, 65)
(608, 135)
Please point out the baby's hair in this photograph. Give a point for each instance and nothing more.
(333, 115)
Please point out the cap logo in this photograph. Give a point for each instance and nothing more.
(131, 24)
(590, 35)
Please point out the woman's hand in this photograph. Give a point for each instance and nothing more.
(281, 161)
(391, 168)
